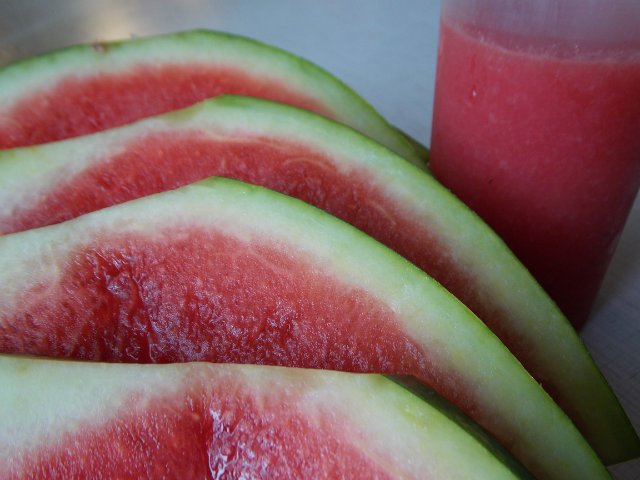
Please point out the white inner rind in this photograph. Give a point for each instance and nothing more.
(42, 400)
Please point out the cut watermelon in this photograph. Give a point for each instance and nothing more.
(347, 175)
(87, 88)
(227, 272)
(73, 420)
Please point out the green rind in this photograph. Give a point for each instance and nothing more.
(18, 80)
(415, 433)
(452, 413)
(509, 400)
(561, 358)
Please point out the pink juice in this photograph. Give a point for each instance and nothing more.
(544, 144)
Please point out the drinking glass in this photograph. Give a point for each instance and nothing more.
(536, 127)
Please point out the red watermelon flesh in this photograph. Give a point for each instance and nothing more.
(331, 167)
(77, 106)
(86, 88)
(218, 421)
(225, 272)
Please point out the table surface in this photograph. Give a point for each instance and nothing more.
(384, 50)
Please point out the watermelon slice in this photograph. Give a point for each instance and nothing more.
(87, 88)
(73, 420)
(330, 166)
(223, 271)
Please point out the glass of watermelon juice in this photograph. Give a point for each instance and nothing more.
(536, 126)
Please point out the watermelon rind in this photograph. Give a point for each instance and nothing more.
(509, 402)
(446, 408)
(541, 336)
(22, 79)
(406, 435)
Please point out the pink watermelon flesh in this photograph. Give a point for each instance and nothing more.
(78, 106)
(130, 301)
(202, 434)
